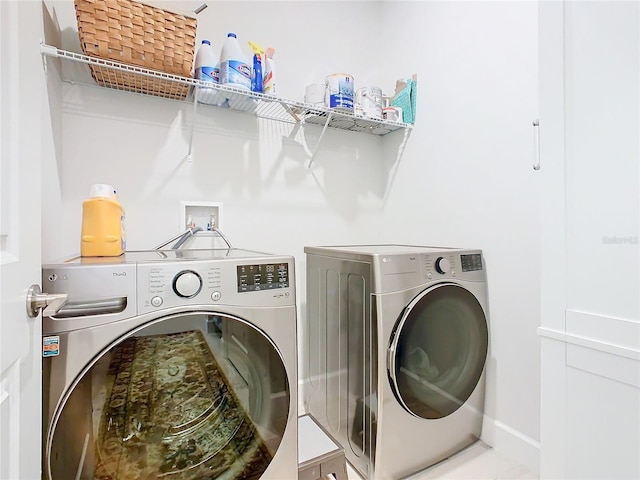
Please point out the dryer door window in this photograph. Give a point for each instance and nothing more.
(184, 397)
(438, 350)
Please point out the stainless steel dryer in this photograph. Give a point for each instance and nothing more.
(397, 338)
(176, 364)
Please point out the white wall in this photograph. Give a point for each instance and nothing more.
(464, 178)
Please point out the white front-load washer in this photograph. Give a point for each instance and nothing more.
(397, 339)
(174, 364)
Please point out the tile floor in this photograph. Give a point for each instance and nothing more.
(477, 462)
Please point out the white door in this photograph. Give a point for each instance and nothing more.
(22, 103)
(590, 169)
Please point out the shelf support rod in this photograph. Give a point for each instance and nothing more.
(324, 129)
(193, 123)
(290, 112)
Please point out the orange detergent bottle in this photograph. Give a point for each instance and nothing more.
(102, 223)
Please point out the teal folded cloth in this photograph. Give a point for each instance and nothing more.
(406, 100)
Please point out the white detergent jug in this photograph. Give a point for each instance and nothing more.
(235, 69)
(207, 69)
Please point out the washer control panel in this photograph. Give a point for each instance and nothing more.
(104, 290)
(265, 276)
(259, 283)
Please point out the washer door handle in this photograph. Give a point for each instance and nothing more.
(391, 361)
(49, 303)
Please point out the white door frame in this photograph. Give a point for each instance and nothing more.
(23, 104)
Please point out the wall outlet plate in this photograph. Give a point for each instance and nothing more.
(200, 214)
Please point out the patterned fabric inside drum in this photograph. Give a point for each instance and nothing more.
(141, 35)
(170, 412)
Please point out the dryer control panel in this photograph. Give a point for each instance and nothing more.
(471, 262)
(467, 265)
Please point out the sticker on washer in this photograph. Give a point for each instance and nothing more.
(51, 346)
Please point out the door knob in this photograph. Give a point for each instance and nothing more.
(50, 303)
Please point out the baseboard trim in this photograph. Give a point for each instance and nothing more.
(511, 443)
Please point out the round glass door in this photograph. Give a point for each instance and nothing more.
(438, 350)
(189, 396)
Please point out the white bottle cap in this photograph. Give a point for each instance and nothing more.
(102, 190)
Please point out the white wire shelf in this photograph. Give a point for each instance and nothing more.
(83, 69)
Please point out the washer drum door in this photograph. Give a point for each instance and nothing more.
(437, 351)
(186, 396)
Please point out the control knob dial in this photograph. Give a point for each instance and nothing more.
(187, 284)
(442, 265)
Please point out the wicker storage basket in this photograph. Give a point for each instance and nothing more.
(140, 34)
